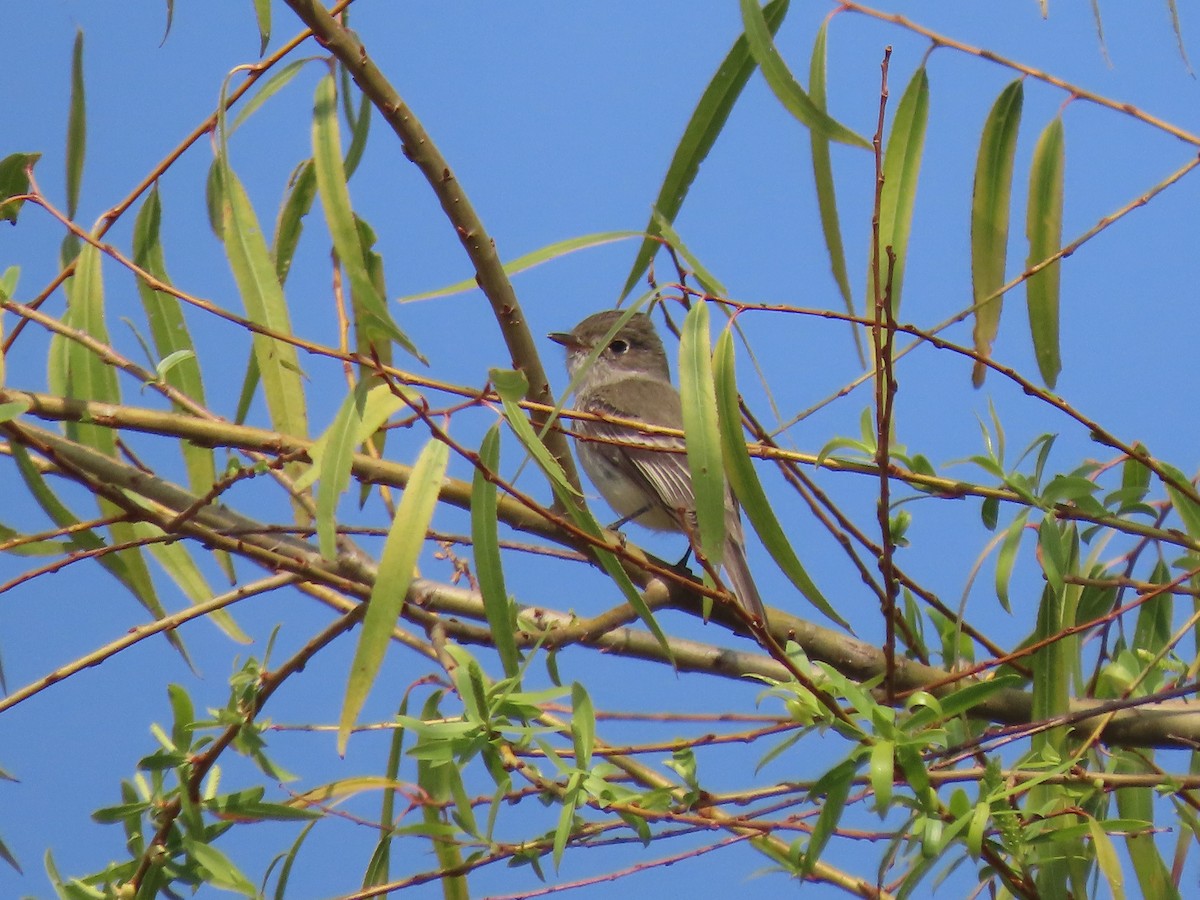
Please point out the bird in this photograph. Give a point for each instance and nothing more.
(630, 378)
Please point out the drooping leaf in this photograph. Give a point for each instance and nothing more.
(784, 85)
(826, 194)
(14, 181)
(699, 135)
(489, 567)
(262, 295)
(289, 224)
(377, 322)
(747, 487)
(405, 539)
(702, 432)
(169, 330)
(1043, 227)
(76, 128)
(901, 170)
(989, 216)
(262, 14)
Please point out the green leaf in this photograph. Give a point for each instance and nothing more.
(1185, 506)
(14, 181)
(361, 414)
(882, 770)
(583, 726)
(1043, 227)
(489, 568)
(254, 272)
(781, 81)
(989, 216)
(278, 81)
(169, 330)
(699, 135)
(76, 128)
(702, 432)
(335, 200)
(529, 261)
(176, 560)
(1007, 557)
(405, 539)
(826, 194)
(835, 784)
(221, 871)
(262, 15)
(1106, 859)
(359, 122)
(289, 224)
(1153, 875)
(901, 171)
(747, 487)
(707, 279)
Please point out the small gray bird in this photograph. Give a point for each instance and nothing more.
(630, 379)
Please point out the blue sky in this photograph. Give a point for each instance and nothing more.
(559, 121)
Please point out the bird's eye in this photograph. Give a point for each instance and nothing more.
(618, 347)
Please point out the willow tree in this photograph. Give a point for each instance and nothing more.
(978, 661)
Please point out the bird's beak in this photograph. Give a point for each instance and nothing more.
(565, 338)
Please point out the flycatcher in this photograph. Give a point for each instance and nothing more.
(630, 379)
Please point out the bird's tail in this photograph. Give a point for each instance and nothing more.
(740, 581)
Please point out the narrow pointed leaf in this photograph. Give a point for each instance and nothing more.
(14, 181)
(836, 785)
(700, 134)
(169, 330)
(489, 567)
(335, 200)
(76, 128)
(289, 224)
(1153, 875)
(707, 280)
(1043, 227)
(176, 560)
(781, 81)
(405, 539)
(989, 216)
(826, 195)
(262, 14)
(901, 171)
(529, 260)
(747, 487)
(128, 567)
(278, 81)
(362, 413)
(700, 428)
(254, 272)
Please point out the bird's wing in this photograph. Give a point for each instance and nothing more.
(665, 474)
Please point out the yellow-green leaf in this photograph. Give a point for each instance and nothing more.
(901, 171)
(747, 487)
(781, 81)
(339, 215)
(76, 128)
(700, 428)
(405, 539)
(699, 135)
(262, 295)
(489, 567)
(826, 195)
(1043, 227)
(989, 216)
